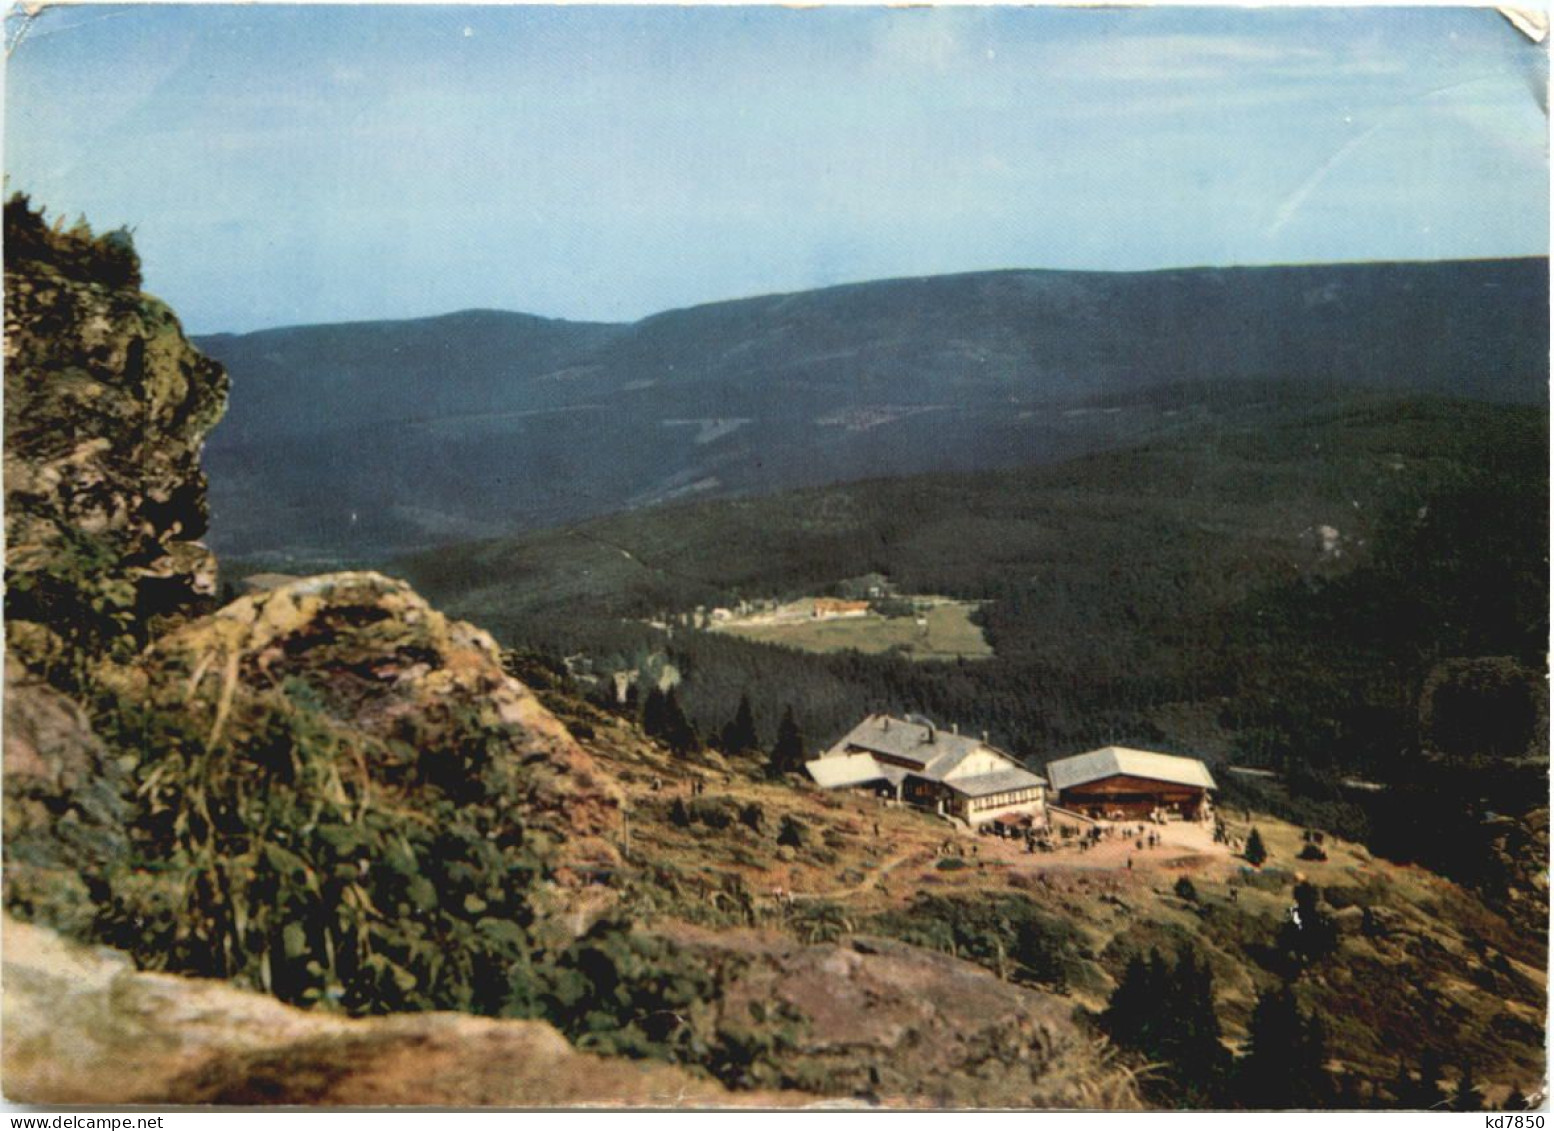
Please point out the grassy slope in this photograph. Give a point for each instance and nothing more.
(1450, 974)
(947, 634)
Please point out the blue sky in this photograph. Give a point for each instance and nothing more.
(308, 164)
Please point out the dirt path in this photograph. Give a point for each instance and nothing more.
(868, 881)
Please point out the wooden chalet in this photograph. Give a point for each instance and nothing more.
(1122, 784)
(946, 772)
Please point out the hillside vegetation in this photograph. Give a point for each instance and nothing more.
(1303, 591)
(1408, 969)
(486, 423)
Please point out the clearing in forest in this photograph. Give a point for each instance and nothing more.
(939, 629)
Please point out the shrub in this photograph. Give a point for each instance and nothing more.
(1256, 852)
(714, 812)
(249, 860)
(1008, 934)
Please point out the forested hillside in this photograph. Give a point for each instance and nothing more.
(1331, 591)
(487, 423)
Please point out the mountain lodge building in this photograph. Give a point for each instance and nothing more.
(920, 764)
(1121, 784)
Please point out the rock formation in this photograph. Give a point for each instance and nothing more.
(107, 407)
(328, 790)
(82, 1026)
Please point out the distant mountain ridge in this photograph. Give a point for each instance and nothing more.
(484, 422)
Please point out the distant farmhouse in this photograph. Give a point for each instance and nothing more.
(949, 773)
(827, 607)
(1118, 783)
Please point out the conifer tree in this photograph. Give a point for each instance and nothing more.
(1467, 1097)
(1167, 1014)
(1427, 1093)
(1309, 934)
(653, 713)
(739, 732)
(1130, 1003)
(1256, 852)
(1285, 1061)
(788, 753)
(677, 731)
(679, 813)
(1192, 1047)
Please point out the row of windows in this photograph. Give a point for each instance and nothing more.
(999, 800)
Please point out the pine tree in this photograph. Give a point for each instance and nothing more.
(1256, 852)
(1129, 1005)
(1285, 1062)
(788, 754)
(1402, 1086)
(677, 731)
(1467, 1097)
(1310, 934)
(1191, 1044)
(739, 732)
(653, 713)
(679, 813)
(1427, 1094)
(1167, 1014)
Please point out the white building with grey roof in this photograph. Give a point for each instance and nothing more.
(944, 771)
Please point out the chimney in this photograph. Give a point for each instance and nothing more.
(985, 741)
(930, 732)
(886, 725)
(955, 728)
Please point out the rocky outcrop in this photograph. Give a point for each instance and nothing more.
(327, 789)
(107, 406)
(879, 1019)
(371, 659)
(82, 1026)
(65, 804)
(349, 800)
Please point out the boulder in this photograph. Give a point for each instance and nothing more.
(880, 1019)
(65, 804)
(346, 798)
(82, 1026)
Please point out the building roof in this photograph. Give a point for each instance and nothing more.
(1004, 781)
(909, 741)
(848, 769)
(1110, 761)
(853, 761)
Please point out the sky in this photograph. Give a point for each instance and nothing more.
(301, 164)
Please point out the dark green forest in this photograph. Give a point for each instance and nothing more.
(484, 423)
(1183, 596)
